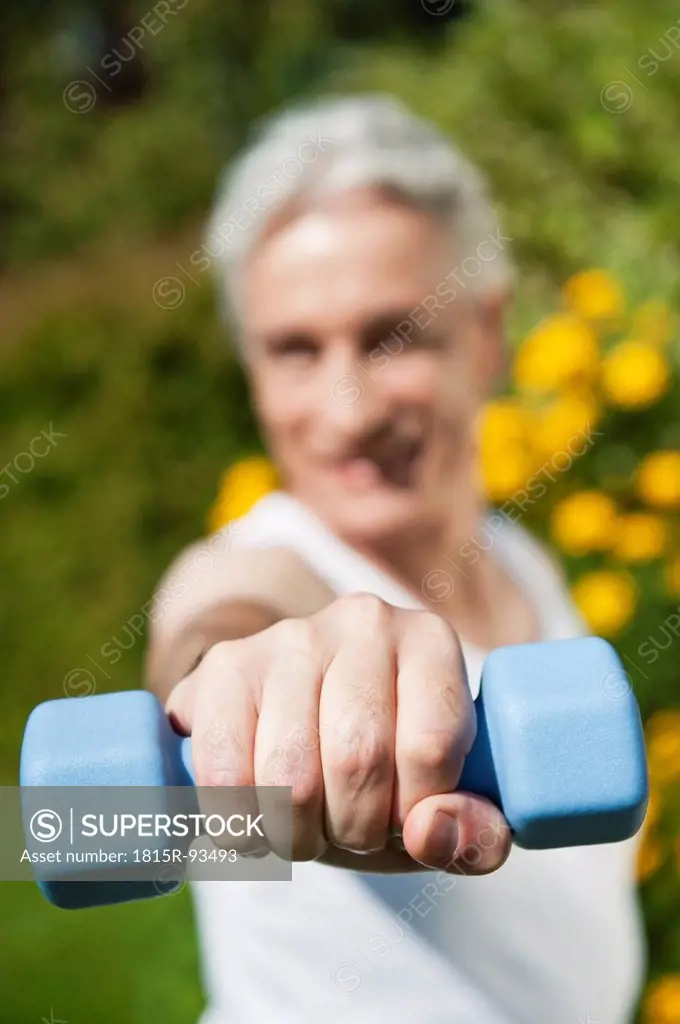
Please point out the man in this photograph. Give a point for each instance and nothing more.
(335, 644)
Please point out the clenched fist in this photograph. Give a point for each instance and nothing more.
(362, 709)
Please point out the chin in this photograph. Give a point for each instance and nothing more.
(377, 519)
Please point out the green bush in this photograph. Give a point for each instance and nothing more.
(100, 205)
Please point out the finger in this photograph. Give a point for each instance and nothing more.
(223, 727)
(287, 742)
(436, 721)
(179, 707)
(460, 833)
(356, 721)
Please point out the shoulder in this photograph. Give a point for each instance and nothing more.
(538, 568)
(532, 550)
(214, 571)
(253, 559)
(252, 544)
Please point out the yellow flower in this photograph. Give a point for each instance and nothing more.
(584, 522)
(561, 351)
(640, 537)
(506, 472)
(649, 858)
(653, 809)
(664, 759)
(506, 433)
(564, 424)
(663, 722)
(653, 322)
(651, 854)
(672, 575)
(241, 486)
(594, 295)
(606, 599)
(635, 374)
(662, 1001)
(505, 421)
(658, 479)
(663, 746)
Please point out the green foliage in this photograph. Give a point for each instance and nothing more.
(99, 205)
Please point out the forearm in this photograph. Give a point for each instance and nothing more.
(239, 593)
(229, 620)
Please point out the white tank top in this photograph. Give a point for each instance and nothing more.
(553, 937)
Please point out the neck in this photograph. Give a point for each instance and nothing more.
(434, 561)
(449, 566)
(462, 581)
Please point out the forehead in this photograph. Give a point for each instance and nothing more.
(349, 259)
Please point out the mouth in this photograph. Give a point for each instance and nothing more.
(395, 465)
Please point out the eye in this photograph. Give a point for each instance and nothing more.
(427, 340)
(293, 346)
(397, 334)
(404, 341)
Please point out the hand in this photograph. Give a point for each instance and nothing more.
(364, 710)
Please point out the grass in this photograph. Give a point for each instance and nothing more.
(132, 963)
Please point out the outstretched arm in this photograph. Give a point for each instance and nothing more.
(205, 598)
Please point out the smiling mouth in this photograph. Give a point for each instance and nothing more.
(396, 466)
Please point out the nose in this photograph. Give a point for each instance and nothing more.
(356, 402)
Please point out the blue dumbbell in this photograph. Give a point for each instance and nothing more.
(559, 748)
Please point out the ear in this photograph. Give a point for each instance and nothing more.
(494, 355)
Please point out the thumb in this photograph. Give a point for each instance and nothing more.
(457, 832)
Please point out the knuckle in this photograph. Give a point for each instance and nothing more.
(367, 609)
(305, 780)
(437, 629)
(431, 752)
(291, 760)
(361, 765)
(307, 793)
(296, 748)
(296, 635)
(219, 659)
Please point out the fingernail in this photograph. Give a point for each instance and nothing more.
(257, 853)
(442, 840)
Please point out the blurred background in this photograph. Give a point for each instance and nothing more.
(125, 427)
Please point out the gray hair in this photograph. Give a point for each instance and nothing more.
(357, 141)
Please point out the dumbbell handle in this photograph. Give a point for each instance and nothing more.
(478, 775)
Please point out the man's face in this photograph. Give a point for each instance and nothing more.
(368, 363)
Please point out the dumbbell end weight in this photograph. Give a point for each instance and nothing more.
(111, 739)
(560, 745)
